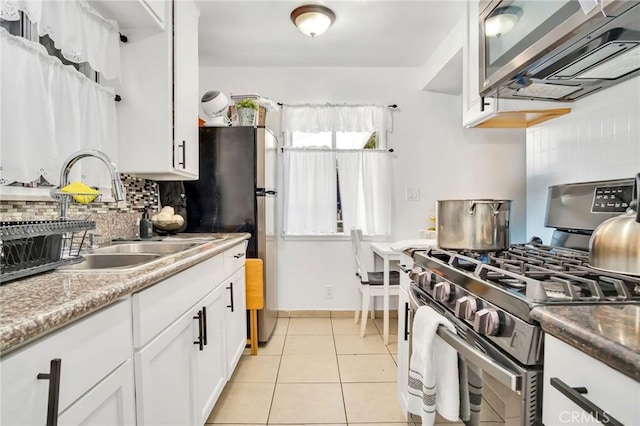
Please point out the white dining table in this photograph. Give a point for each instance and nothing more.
(390, 252)
(384, 251)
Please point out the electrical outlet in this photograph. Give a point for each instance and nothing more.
(412, 194)
(328, 291)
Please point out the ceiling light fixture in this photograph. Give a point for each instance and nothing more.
(501, 21)
(312, 20)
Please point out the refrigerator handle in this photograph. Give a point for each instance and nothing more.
(262, 192)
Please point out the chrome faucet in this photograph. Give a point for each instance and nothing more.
(117, 188)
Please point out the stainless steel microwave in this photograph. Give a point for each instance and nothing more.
(556, 50)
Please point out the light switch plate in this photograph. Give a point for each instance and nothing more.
(413, 194)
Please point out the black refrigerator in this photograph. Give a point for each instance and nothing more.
(236, 192)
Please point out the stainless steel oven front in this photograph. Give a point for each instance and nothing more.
(511, 392)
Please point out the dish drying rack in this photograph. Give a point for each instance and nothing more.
(32, 247)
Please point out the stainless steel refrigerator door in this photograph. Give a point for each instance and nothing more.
(267, 239)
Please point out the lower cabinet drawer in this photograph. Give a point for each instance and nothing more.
(614, 393)
(234, 258)
(88, 349)
(156, 307)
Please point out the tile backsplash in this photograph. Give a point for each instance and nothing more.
(113, 219)
(598, 140)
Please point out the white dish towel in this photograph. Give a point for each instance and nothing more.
(433, 369)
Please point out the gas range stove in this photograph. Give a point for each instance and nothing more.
(494, 293)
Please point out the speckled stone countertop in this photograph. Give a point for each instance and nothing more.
(609, 333)
(37, 305)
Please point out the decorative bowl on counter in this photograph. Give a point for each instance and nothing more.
(167, 226)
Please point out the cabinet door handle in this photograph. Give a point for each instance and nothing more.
(204, 324)
(406, 321)
(231, 295)
(183, 163)
(239, 255)
(54, 390)
(574, 394)
(200, 341)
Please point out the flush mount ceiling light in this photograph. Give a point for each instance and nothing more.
(501, 21)
(312, 20)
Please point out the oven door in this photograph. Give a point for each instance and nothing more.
(510, 393)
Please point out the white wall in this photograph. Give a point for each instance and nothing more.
(433, 152)
(599, 139)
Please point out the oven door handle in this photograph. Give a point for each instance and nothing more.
(505, 376)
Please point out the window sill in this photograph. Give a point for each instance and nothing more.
(331, 237)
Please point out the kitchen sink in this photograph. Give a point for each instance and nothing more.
(115, 261)
(154, 248)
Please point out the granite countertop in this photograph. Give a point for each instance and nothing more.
(37, 305)
(609, 333)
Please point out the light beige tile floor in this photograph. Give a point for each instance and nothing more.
(320, 371)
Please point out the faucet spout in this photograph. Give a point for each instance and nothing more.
(117, 188)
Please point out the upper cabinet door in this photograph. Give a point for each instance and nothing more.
(473, 110)
(185, 87)
(158, 114)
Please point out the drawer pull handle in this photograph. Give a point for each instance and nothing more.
(230, 288)
(204, 324)
(200, 341)
(184, 155)
(574, 394)
(406, 321)
(54, 390)
(239, 255)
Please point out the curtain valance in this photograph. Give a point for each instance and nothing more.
(48, 111)
(339, 118)
(76, 28)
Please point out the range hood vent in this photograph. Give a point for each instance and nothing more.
(603, 52)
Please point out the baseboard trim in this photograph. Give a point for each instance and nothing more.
(329, 314)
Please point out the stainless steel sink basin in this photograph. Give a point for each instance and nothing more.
(155, 248)
(115, 261)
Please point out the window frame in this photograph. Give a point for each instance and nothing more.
(337, 236)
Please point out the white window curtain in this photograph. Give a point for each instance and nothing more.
(47, 112)
(310, 192)
(339, 118)
(76, 29)
(365, 190)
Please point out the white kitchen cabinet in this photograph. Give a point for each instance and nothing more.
(111, 402)
(188, 341)
(88, 350)
(166, 375)
(404, 334)
(158, 115)
(235, 319)
(613, 392)
(472, 109)
(491, 112)
(211, 361)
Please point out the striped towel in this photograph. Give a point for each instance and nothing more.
(470, 393)
(433, 369)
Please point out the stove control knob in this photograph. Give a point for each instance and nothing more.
(461, 306)
(415, 273)
(423, 279)
(442, 291)
(487, 322)
(471, 308)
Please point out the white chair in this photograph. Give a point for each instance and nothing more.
(371, 283)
